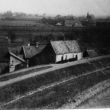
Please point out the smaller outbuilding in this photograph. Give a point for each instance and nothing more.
(92, 53)
(29, 52)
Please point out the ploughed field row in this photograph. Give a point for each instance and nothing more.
(15, 90)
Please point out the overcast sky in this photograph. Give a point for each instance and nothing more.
(63, 7)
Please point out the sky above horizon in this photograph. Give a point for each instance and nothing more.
(54, 7)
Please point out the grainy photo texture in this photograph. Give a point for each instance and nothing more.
(54, 54)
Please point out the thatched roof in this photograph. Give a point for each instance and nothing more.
(59, 47)
(73, 46)
(63, 47)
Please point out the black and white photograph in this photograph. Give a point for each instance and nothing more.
(54, 54)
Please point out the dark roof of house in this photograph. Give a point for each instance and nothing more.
(17, 57)
(73, 46)
(63, 47)
(30, 51)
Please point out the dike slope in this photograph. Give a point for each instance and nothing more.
(80, 71)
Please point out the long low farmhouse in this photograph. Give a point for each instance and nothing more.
(58, 51)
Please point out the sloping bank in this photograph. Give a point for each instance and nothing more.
(60, 93)
(86, 94)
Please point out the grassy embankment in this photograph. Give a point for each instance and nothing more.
(57, 96)
(10, 92)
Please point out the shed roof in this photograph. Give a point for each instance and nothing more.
(30, 51)
(59, 47)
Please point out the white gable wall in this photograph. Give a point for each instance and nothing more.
(13, 63)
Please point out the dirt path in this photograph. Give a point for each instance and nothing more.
(23, 70)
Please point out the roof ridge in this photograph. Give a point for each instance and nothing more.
(17, 57)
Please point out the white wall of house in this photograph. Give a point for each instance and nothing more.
(59, 58)
(65, 56)
(79, 55)
(74, 55)
(69, 56)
